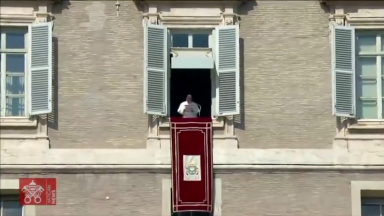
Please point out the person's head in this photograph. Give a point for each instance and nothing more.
(189, 98)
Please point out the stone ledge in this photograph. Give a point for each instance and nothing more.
(9, 184)
(155, 157)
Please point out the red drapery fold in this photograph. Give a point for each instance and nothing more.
(192, 164)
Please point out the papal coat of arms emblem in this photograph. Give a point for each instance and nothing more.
(192, 168)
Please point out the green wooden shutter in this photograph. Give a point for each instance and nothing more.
(156, 69)
(228, 68)
(343, 71)
(40, 67)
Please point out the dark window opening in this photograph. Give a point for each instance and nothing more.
(196, 82)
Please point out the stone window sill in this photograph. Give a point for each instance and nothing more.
(367, 125)
(18, 122)
(217, 122)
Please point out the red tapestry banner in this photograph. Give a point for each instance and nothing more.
(192, 164)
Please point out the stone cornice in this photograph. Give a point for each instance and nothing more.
(19, 19)
(111, 160)
(218, 169)
(366, 22)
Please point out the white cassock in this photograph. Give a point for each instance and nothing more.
(188, 110)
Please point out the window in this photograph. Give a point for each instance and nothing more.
(369, 74)
(13, 50)
(191, 39)
(26, 70)
(357, 72)
(10, 206)
(372, 207)
(225, 48)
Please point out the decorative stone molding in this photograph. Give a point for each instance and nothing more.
(189, 21)
(365, 22)
(185, 15)
(338, 19)
(32, 11)
(151, 18)
(222, 158)
(230, 18)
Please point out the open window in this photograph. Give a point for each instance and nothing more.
(25, 70)
(204, 63)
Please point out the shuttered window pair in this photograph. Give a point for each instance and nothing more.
(157, 54)
(358, 72)
(26, 70)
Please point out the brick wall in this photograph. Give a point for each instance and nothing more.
(286, 68)
(262, 193)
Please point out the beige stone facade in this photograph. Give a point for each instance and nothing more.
(284, 154)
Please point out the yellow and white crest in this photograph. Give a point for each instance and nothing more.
(192, 168)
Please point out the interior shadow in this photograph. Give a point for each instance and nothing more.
(196, 82)
(59, 6)
(239, 120)
(53, 117)
(245, 7)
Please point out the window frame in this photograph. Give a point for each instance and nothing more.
(190, 33)
(373, 202)
(357, 188)
(10, 198)
(23, 121)
(3, 53)
(163, 120)
(379, 54)
(11, 187)
(213, 73)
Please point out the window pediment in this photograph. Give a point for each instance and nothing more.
(359, 14)
(12, 12)
(190, 14)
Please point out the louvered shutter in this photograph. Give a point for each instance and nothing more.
(156, 69)
(53, 115)
(343, 71)
(40, 67)
(227, 66)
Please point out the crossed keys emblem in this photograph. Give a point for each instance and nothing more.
(32, 191)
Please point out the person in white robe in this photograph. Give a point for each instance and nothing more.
(188, 108)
